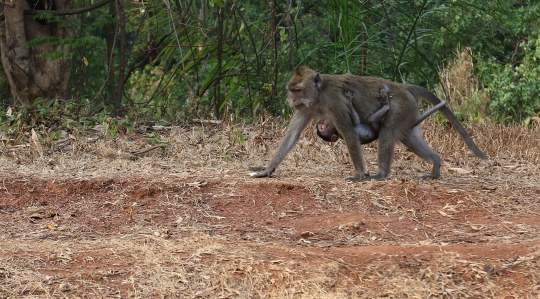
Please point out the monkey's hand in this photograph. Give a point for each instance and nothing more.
(349, 95)
(256, 168)
(266, 173)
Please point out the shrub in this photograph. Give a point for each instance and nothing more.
(514, 88)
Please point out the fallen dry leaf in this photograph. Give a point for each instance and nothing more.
(37, 216)
(197, 184)
(459, 170)
(36, 142)
(131, 211)
(491, 188)
(445, 214)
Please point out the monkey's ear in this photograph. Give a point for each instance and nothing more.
(301, 69)
(317, 80)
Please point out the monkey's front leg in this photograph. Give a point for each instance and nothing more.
(298, 123)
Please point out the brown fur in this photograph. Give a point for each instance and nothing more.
(313, 94)
(366, 132)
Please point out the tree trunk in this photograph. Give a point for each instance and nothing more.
(122, 66)
(116, 32)
(111, 45)
(217, 86)
(30, 77)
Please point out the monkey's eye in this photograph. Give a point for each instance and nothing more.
(295, 90)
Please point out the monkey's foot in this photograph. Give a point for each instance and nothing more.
(354, 180)
(430, 176)
(261, 175)
(374, 177)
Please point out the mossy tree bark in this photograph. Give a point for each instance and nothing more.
(30, 76)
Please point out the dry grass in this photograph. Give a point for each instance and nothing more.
(218, 148)
(203, 259)
(461, 89)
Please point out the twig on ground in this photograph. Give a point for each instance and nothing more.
(144, 150)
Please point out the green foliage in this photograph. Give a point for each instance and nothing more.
(496, 32)
(50, 18)
(114, 127)
(58, 115)
(514, 90)
(216, 2)
(89, 55)
(214, 58)
(188, 79)
(4, 117)
(387, 39)
(155, 139)
(238, 137)
(89, 41)
(55, 135)
(71, 44)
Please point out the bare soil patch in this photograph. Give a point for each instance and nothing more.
(91, 220)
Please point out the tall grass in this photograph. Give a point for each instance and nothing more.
(461, 89)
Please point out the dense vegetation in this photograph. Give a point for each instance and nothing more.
(183, 59)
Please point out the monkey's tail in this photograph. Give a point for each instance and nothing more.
(429, 97)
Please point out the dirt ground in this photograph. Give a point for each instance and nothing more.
(93, 217)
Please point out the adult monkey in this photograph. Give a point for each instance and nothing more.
(313, 94)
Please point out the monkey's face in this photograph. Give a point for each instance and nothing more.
(302, 89)
(297, 96)
(324, 128)
(326, 131)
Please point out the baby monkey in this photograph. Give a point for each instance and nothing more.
(370, 131)
(366, 132)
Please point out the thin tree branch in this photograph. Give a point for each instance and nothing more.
(68, 12)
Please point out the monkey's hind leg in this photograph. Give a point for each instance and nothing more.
(419, 146)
